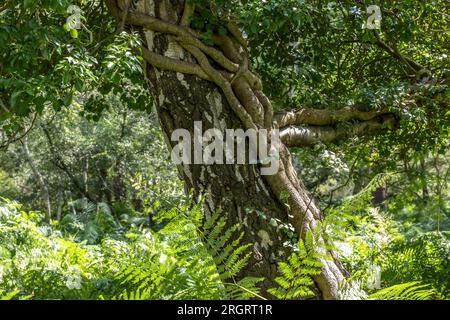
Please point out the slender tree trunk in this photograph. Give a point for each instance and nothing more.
(43, 185)
(70, 202)
(60, 200)
(86, 175)
(239, 191)
(425, 190)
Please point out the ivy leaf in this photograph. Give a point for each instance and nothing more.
(67, 100)
(67, 77)
(74, 33)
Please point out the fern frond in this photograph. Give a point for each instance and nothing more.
(9, 295)
(296, 273)
(244, 289)
(406, 291)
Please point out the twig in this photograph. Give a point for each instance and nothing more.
(14, 139)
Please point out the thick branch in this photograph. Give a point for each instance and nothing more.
(295, 136)
(320, 117)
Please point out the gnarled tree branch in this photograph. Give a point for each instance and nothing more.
(297, 136)
(320, 117)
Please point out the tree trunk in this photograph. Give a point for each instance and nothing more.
(44, 187)
(60, 201)
(239, 191)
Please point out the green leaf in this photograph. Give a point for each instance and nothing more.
(14, 97)
(67, 77)
(67, 100)
(74, 33)
(79, 85)
(28, 3)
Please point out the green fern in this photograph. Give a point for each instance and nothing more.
(206, 257)
(230, 257)
(92, 222)
(246, 288)
(352, 289)
(423, 258)
(296, 273)
(140, 283)
(406, 291)
(363, 199)
(9, 295)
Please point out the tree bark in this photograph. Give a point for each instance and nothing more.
(230, 98)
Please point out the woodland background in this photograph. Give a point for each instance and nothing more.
(91, 206)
